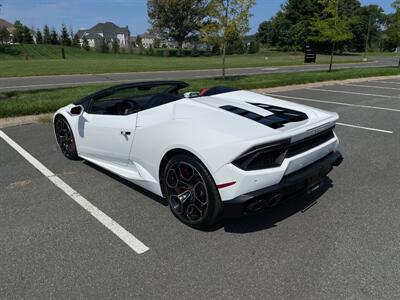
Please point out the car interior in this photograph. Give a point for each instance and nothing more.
(129, 100)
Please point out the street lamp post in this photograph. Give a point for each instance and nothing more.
(368, 34)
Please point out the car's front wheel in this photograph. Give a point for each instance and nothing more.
(65, 138)
(191, 192)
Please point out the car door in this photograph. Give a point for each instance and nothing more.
(105, 133)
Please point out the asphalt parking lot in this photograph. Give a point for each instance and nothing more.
(341, 242)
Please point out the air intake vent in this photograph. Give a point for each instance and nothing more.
(310, 142)
(280, 117)
(284, 113)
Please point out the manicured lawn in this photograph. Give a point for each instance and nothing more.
(45, 60)
(44, 101)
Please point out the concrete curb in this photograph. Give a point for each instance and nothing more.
(15, 121)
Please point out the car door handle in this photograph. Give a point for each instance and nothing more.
(125, 132)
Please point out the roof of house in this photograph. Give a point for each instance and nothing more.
(93, 36)
(107, 28)
(147, 35)
(6, 24)
(80, 32)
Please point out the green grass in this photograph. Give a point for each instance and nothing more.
(46, 101)
(45, 119)
(380, 54)
(46, 60)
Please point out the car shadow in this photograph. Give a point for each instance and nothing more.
(128, 183)
(263, 220)
(270, 218)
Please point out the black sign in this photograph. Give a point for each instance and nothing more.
(310, 55)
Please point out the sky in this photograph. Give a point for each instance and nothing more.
(86, 13)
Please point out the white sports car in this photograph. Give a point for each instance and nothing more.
(220, 151)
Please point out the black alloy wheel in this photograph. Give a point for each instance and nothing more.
(191, 192)
(65, 138)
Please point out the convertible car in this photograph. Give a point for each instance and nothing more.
(217, 152)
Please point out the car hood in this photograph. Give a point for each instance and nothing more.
(219, 113)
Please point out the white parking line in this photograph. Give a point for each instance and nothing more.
(113, 226)
(371, 86)
(333, 102)
(339, 103)
(352, 93)
(365, 128)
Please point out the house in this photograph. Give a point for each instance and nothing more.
(7, 25)
(168, 43)
(107, 31)
(148, 40)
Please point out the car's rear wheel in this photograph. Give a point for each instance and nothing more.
(191, 192)
(65, 138)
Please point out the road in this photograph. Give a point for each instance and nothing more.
(47, 82)
(341, 242)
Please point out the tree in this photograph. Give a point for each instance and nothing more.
(368, 30)
(102, 45)
(157, 43)
(265, 33)
(254, 47)
(393, 30)
(76, 41)
(22, 34)
(239, 47)
(4, 35)
(291, 27)
(46, 35)
(234, 42)
(350, 10)
(115, 46)
(177, 18)
(71, 35)
(150, 51)
(227, 17)
(332, 26)
(18, 34)
(54, 37)
(27, 35)
(139, 41)
(64, 37)
(39, 37)
(85, 43)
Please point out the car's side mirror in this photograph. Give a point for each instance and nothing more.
(191, 94)
(76, 110)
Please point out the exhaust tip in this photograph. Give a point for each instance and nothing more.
(338, 161)
(266, 202)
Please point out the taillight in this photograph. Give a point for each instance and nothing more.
(263, 156)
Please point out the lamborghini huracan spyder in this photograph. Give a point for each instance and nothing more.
(220, 151)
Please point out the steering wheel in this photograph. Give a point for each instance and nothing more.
(128, 106)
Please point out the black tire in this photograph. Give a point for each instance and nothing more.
(65, 138)
(191, 192)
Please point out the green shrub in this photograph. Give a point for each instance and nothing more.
(254, 47)
(216, 49)
(150, 51)
(10, 50)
